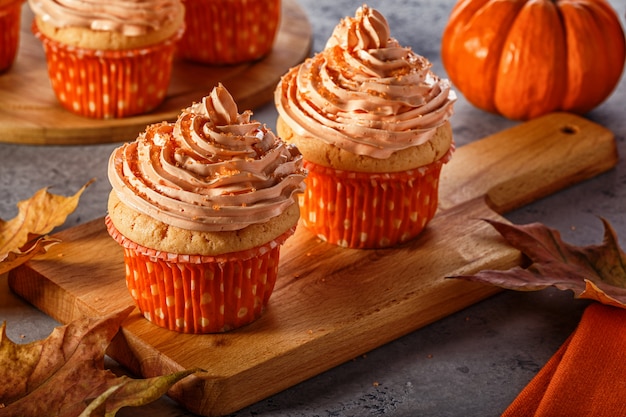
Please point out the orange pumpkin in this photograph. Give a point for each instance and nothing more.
(525, 58)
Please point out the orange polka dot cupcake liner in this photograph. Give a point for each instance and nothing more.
(109, 84)
(369, 210)
(220, 32)
(9, 33)
(200, 294)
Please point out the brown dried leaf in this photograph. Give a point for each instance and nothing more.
(595, 272)
(63, 375)
(592, 292)
(133, 392)
(38, 215)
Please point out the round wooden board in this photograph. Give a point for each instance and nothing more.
(31, 114)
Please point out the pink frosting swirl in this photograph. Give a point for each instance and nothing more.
(213, 170)
(129, 17)
(364, 92)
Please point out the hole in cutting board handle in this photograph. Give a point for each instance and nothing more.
(570, 129)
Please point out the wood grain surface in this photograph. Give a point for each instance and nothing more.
(31, 114)
(331, 304)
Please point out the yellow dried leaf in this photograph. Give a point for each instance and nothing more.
(20, 237)
(14, 259)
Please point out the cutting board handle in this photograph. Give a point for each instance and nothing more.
(527, 162)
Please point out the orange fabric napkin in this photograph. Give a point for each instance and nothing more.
(586, 376)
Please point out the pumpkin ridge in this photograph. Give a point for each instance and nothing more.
(567, 55)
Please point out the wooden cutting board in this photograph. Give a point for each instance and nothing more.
(331, 304)
(31, 114)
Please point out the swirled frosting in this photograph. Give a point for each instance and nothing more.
(128, 17)
(212, 170)
(364, 92)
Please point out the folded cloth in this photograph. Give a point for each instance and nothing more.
(586, 376)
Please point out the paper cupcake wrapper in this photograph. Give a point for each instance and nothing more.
(109, 84)
(229, 31)
(9, 33)
(369, 210)
(200, 294)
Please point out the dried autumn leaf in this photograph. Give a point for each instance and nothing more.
(34, 248)
(63, 375)
(38, 215)
(133, 392)
(596, 272)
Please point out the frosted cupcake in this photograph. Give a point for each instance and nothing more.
(371, 120)
(109, 59)
(201, 207)
(229, 31)
(10, 12)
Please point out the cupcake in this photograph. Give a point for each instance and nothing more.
(372, 122)
(10, 12)
(109, 59)
(229, 31)
(201, 207)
